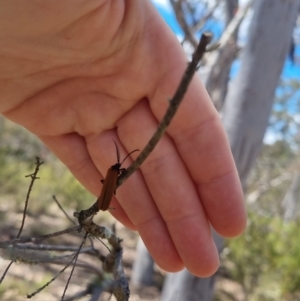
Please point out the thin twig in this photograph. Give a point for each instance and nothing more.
(68, 217)
(5, 272)
(200, 24)
(172, 109)
(75, 260)
(48, 248)
(63, 210)
(112, 263)
(181, 18)
(57, 275)
(33, 178)
(38, 238)
(35, 257)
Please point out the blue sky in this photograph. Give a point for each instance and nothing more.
(163, 6)
(290, 70)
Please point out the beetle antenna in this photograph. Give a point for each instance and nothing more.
(118, 152)
(136, 150)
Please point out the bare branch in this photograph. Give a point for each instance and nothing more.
(59, 273)
(63, 210)
(112, 263)
(230, 30)
(172, 109)
(177, 6)
(75, 260)
(67, 216)
(38, 257)
(5, 272)
(38, 238)
(203, 20)
(33, 178)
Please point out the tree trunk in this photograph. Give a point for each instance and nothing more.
(250, 98)
(143, 270)
(289, 202)
(185, 286)
(247, 108)
(219, 61)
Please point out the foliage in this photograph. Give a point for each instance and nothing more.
(265, 259)
(271, 177)
(18, 150)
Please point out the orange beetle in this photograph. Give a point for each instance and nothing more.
(110, 182)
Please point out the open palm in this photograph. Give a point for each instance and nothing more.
(80, 73)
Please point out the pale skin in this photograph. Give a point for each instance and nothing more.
(78, 74)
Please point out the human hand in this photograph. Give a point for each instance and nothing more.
(80, 73)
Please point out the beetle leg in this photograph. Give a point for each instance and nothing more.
(122, 171)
